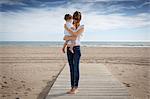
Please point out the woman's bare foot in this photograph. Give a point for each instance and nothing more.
(69, 92)
(73, 91)
(76, 90)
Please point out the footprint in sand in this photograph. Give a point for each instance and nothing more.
(5, 82)
(1, 84)
(22, 81)
(4, 86)
(120, 74)
(25, 92)
(28, 89)
(8, 95)
(3, 95)
(19, 87)
(127, 85)
(4, 76)
(23, 85)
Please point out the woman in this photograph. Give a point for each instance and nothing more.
(74, 58)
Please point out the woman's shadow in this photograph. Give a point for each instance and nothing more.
(56, 95)
(46, 90)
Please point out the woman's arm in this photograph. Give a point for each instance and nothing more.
(74, 33)
(70, 37)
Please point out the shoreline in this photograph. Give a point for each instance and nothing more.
(81, 46)
(83, 43)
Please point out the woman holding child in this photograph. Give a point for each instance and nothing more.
(73, 49)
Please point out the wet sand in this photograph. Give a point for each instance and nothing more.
(29, 72)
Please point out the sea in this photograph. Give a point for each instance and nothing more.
(84, 43)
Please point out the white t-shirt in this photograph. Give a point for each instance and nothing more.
(77, 41)
(68, 25)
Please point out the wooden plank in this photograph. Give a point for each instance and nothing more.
(96, 82)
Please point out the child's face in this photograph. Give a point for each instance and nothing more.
(70, 20)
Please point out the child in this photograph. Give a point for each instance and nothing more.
(68, 19)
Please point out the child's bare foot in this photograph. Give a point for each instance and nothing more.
(71, 50)
(63, 50)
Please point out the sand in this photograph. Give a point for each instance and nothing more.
(26, 72)
(29, 72)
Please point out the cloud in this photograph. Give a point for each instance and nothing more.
(51, 21)
(99, 0)
(33, 21)
(47, 22)
(117, 8)
(144, 4)
(115, 21)
(11, 2)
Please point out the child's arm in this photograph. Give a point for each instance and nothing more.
(81, 30)
(64, 46)
(72, 29)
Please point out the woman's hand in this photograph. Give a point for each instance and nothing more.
(81, 30)
(65, 26)
(70, 38)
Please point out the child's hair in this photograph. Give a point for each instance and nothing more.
(67, 17)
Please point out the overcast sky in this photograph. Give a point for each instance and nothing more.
(104, 20)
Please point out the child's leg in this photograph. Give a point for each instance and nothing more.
(72, 45)
(71, 48)
(64, 46)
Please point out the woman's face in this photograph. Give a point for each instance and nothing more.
(74, 20)
(76, 17)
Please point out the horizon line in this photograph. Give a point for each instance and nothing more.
(63, 41)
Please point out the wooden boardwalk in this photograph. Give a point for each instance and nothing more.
(96, 82)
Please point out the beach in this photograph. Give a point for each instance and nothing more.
(28, 72)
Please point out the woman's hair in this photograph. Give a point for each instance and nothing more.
(77, 15)
(67, 16)
(77, 18)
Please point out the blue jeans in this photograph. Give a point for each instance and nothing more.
(74, 60)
